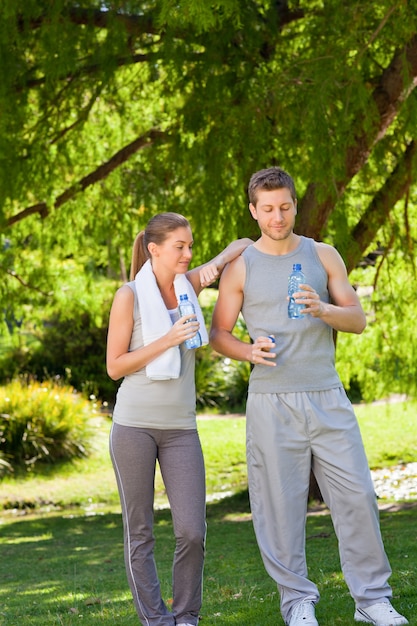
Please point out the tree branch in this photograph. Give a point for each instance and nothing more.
(99, 174)
(395, 85)
(133, 24)
(376, 214)
(13, 274)
(86, 70)
(145, 24)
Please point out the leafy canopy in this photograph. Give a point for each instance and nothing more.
(112, 112)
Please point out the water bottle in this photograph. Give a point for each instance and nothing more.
(294, 280)
(187, 308)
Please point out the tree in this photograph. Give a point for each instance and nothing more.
(113, 112)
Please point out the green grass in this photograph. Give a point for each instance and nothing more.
(389, 432)
(61, 554)
(68, 569)
(90, 483)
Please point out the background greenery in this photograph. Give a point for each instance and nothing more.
(111, 114)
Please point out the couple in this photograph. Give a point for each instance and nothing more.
(298, 415)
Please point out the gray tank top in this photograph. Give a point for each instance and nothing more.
(161, 404)
(305, 347)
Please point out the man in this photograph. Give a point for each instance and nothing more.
(298, 414)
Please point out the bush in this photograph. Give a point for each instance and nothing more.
(41, 423)
(71, 348)
(221, 383)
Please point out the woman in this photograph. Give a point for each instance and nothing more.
(154, 416)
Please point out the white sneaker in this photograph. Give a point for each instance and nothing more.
(303, 614)
(380, 614)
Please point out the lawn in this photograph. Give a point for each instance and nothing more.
(61, 556)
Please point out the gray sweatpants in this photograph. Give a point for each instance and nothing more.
(287, 435)
(134, 452)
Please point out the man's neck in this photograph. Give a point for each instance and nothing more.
(277, 247)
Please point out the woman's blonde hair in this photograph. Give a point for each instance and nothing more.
(156, 231)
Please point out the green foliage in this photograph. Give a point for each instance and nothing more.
(224, 84)
(221, 383)
(171, 106)
(71, 346)
(73, 350)
(66, 338)
(383, 359)
(41, 423)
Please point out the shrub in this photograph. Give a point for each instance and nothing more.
(41, 423)
(72, 348)
(221, 383)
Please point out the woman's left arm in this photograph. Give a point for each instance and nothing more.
(206, 274)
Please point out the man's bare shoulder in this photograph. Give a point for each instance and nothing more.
(326, 251)
(234, 273)
(320, 245)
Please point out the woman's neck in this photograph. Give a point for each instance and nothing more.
(166, 287)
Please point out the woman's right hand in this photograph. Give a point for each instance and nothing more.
(183, 329)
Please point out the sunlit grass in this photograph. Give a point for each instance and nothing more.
(69, 569)
(62, 563)
(389, 432)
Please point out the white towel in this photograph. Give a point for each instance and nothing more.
(156, 320)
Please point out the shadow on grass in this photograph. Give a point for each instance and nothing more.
(66, 568)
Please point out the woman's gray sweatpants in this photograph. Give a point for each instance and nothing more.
(287, 435)
(134, 452)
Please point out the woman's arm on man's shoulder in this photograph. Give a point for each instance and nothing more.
(204, 275)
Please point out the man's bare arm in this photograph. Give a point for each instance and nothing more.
(226, 312)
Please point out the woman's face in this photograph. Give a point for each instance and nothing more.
(175, 253)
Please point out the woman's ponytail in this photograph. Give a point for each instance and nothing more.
(139, 254)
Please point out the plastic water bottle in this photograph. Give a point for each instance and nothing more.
(187, 308)
(294, 280)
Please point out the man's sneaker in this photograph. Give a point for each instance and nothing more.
(380, 614)
(303, 614)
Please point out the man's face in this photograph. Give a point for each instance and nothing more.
(275, 213)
